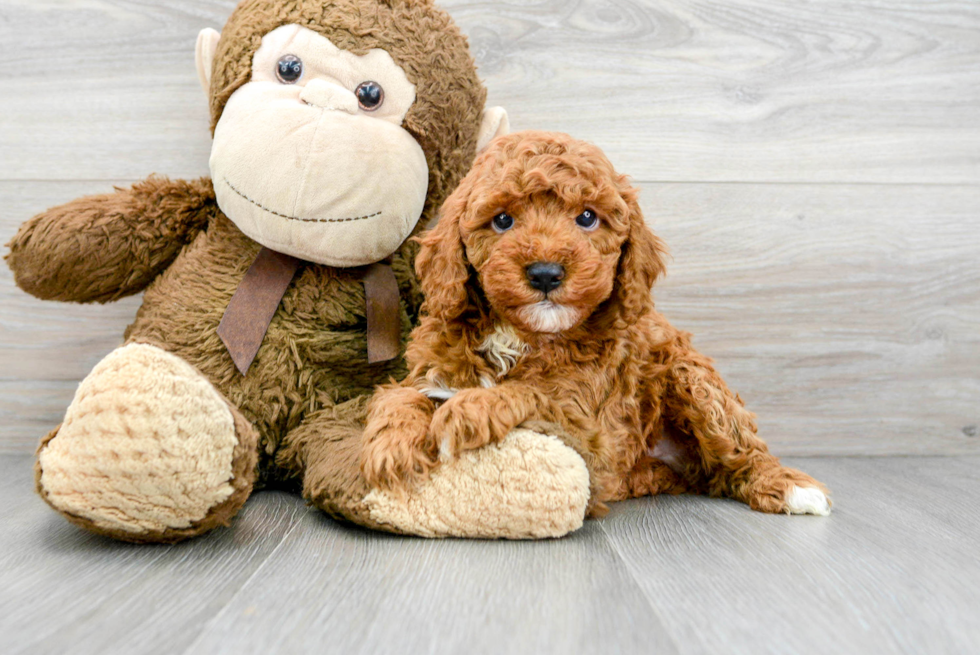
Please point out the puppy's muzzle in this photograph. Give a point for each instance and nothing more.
(545, 276)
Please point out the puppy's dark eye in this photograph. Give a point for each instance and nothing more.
(370, 96)
(587, 220)
(503, 222)
(289, 69)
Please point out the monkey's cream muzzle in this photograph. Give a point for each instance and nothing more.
(304, 169)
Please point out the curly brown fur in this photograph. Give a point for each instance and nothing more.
(599, 360)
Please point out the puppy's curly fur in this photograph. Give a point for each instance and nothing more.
(494, 350)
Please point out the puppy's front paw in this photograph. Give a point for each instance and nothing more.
(467, 421)
(394, 458)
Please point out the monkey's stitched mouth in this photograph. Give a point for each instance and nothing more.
(297, 218)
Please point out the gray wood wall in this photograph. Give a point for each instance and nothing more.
(814, 166)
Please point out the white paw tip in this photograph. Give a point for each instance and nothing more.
(808, 500)
(445, 450)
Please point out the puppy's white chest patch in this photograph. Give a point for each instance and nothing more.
(502, 349)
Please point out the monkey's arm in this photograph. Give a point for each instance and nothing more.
(101, 248)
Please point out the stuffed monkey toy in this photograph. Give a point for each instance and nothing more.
(279, 292)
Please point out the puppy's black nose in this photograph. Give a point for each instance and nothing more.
(545, 276)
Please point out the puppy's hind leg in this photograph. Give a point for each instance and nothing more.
(649, 477)
(734, 462)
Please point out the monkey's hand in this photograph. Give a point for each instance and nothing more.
(101, 248)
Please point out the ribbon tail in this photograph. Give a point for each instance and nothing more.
(249, 314)
(384, 340)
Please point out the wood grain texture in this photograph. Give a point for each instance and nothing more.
(847, 317)
(65, 590)
(115, 96)
(894, 569)
(357, 591)
(745, 90)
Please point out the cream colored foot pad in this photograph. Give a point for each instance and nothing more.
(147, 444)
(530, 486)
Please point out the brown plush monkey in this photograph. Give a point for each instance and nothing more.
(278, 292)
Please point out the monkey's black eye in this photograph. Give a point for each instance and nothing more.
(370, 96)
(289, 69)
(502, 222)
(587, 220)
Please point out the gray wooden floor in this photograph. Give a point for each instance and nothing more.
(815, 169)
(895, 569)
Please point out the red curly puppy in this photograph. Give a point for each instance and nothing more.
(538, 307)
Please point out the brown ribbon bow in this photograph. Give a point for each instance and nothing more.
(249, 314)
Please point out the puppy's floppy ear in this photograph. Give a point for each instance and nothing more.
(441, 263)
(641, 262)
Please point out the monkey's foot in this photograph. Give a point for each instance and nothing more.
(529, 486)
(149, 451)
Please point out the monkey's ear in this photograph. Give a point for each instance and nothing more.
(207, 43)
(495, 123)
